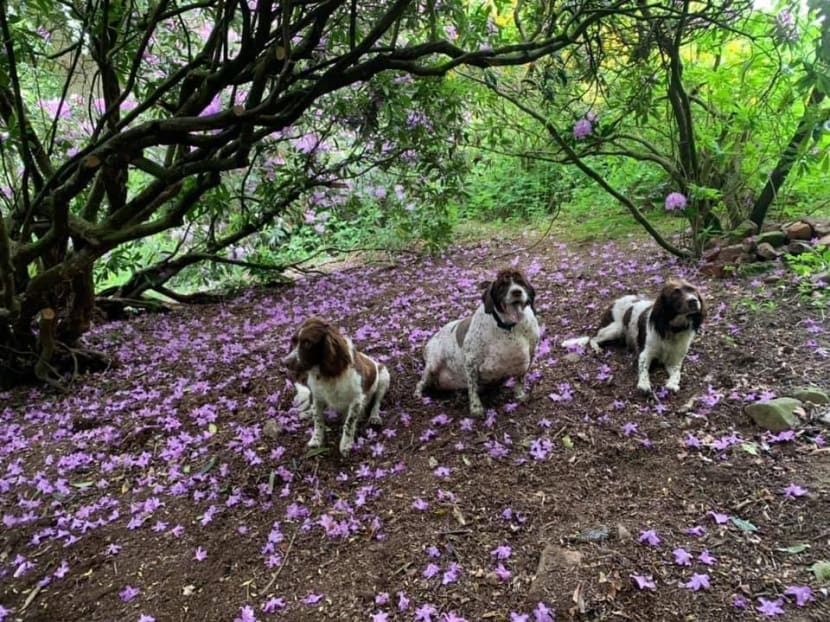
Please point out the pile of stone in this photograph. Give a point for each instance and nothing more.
(747, 251)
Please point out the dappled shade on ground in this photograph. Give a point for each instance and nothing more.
(152, 491)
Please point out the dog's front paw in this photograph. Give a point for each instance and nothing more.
(644, 386)
(316, 440)
(595, 346)
(519, 393)
(674, 387)
(346, 444)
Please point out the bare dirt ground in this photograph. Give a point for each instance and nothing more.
(151, 491)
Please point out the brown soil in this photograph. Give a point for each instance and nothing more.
(121, 482)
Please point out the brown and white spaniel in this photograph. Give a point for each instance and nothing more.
(660, 330)
(497, 342)
(338, 377)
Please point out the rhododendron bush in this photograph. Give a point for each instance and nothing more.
(200, 125)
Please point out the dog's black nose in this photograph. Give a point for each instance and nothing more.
(694, 303)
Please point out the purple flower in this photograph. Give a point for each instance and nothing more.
(380, 616)
(770, 608)
(312, 599)
(519, 617)
(143, 618)
(719, 518)
(582, 129)
(200, 554)
(441, 472)
(431, 570)
(502, 573)
(451, 574)
(425, 612)
(403, 601)
(246, 614)
(128, 593)
(802, 594)
(675, 201)
(698, 582)
(542, 613)
(706, 558)
(501, 552)
(273, 604)
(682, 557)
(419, 504)
(794, 490)
(644, 582)
(739, 602)
(650, 537)
(696, 530)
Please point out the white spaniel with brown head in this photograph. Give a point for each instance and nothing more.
(659, 329)
(338, 377)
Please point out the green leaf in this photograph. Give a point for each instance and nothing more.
(208, 465)
(750, 448)
(743, 525)
(567, 442)
(212, 428)
(317, 451)
(83, 485)
(794, 549)
(821, 570)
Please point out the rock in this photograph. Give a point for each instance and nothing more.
(593, 534)
(811, 394)
(744, 230)
(755, 268)
(775, 415)
(821, 226)
(715, 269)
(799, 231)
(272, 429)
(572, 357)
(730, 254)
(623, 534)
(749, 245)
(796, 247)
(776, 237)
(824, 240)
(766, 250)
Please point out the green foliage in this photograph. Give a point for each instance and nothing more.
(809, 266)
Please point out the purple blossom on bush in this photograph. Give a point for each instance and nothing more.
(675, 201)
(582, 129)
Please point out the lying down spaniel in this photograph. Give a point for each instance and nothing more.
(338, 377)
(497, 342)
(659, 330)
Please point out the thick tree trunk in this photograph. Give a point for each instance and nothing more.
(785, 163)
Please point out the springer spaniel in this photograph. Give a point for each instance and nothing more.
(498, 341)
(659, 330)
(338, 377)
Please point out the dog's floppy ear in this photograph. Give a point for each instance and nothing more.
(335, 353)
(661, 313)
(487, 297)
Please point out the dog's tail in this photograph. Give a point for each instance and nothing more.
(575, 342)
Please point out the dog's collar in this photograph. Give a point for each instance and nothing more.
(502, 324)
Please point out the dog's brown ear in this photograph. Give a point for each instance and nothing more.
(661, 312)
(335, 353)
(487, 297)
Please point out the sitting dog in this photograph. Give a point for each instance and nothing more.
(338, 377)
(498, 341)
(659, 330)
